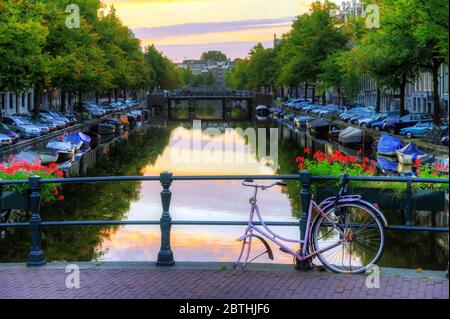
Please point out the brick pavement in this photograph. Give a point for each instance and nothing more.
(155, 283)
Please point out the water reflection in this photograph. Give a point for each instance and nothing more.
(150, 152)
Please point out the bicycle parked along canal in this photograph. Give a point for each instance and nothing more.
(346, 234)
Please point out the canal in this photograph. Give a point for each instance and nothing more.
(149, 151)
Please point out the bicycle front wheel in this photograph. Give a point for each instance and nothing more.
(352, 241)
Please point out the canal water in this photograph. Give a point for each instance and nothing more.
(183, 150)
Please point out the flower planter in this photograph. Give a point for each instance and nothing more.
(423, 200)
(14, 200)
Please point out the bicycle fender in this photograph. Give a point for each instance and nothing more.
(368, 205)
(269, 250)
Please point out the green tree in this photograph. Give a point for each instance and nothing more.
(214, 56)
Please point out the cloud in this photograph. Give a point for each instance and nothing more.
(233, 50)
(187, 29)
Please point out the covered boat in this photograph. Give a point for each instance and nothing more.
(104, 129)
(40, 156)
(319, 128)
(387, 165)
(78, 139)
(350, 135)
(66, 150)
(409, 154)
(302, 121)
(388, 145)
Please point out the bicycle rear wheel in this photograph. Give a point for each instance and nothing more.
(361, 235)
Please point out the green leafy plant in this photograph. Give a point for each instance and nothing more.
(22, 170)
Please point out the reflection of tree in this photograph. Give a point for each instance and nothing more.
(96, 201)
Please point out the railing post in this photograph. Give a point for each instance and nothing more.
(36, 256)
(409, 203)
(165, 255)
(305, 194)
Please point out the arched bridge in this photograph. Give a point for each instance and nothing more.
(211, 105)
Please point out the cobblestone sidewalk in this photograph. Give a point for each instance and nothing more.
(151, 282)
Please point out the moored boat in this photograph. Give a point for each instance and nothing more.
(319, 128)
(388, 146)
(409, 154)
(104, 129)
(352, 135)
(65, 149)
(387, 165)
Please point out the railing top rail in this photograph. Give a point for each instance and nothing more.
(228, 177)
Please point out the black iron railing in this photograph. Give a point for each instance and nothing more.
(36, 256)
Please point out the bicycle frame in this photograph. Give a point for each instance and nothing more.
(278, 240)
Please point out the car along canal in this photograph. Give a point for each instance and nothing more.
(150, 151)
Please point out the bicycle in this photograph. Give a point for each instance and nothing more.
(346, 234)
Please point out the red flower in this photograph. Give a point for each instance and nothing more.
(301, 166)
(55, 191)
(360, 151)
(307, 150)
(364, 165)
(365, 159)
(300, 159)
(61, 197)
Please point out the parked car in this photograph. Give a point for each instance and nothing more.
(60, 124)
(56, 116)
(45, 125)
(378, 125)
(5, 140)
(367, 122)
(420, 129)
(21, 126)
(93, 110)
(395, 125)
(6, 131)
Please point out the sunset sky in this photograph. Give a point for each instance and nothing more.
(183, 29)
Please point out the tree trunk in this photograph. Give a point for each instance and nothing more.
(80, 98)
(313, 93)
(402, 95)
(37, 99)
(124, 94)
(116, 94)
(109, 97)
(378, 102)
(306, 91)
(436, 101)
(96, 97)
(63, 101)
(339, 95)
(50, 99)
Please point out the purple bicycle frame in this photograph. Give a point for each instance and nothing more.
(277, 239)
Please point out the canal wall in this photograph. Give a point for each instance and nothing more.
(427, 147)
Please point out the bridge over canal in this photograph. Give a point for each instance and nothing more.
(223, 105)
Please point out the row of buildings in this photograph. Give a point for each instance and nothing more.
(217, 68)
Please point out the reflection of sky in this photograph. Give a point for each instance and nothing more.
(200, 200)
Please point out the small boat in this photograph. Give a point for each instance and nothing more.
(66, 150)
(388, 145)
(319, 128)
(409, 154)
(104, 129)
(47, 156)
(387, 165)
(352, 135)
(78, 140)
(116, 122)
